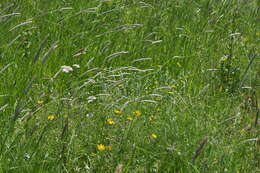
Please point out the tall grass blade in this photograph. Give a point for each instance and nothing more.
(53, 46)
(37, 54)
(21, 24)
(199, 149)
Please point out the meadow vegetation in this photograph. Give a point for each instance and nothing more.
(129, 86)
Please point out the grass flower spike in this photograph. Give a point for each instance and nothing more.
(76, 65)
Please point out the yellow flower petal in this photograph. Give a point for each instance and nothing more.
(137, 113)
(130, 118)
(39, 102)
(110, 121)
(51, 117)
(101, 147)
(117, 111)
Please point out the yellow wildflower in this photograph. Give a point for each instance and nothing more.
(40, 102)
(130, 118)
(117, 111)
(101, 147)
(257, 33)
(137, 113)
(154, 136)
(51, 117)
(110, 121)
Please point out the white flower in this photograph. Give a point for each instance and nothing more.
(91, 99)
(66, 69)
(76, 65)
(27, 156)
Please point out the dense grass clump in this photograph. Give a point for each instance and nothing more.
(129, 86)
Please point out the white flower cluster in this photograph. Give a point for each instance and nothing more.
(67, 69)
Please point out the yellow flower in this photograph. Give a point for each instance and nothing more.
(130, 118)
(109, 147)
(101, 147)
(154, 136)
(110, 121)
(117, 111)
(40, 102)
(137, 113)
(51, 117)
(257, 33)
(66, 116)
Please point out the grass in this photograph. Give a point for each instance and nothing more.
(156, 86)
